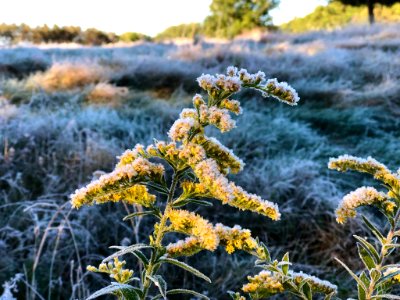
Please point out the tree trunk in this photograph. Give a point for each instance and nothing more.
(371, 15)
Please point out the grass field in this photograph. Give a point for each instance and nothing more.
(66, 113)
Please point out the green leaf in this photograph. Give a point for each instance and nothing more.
(373, 229)
(158, 187)
(184, 291)
(266, 251)
(160, 283)
(125, 250)
(369, 248)
(139, 254)
(201, 202)
(111, 289)
(375, 274)
(358, 280)
(364, 278)
(140, 213)
(190, 200)
(285, 267)
(186, 267)
(131, 294)
(385, 296)
(307, 291)
(365, 257)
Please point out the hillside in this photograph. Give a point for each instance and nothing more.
(336, 15)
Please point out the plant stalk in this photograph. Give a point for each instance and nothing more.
(152, 268)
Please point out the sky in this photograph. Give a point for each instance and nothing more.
(145, 16)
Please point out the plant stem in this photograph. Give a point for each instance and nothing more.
(152, 268)
(388, 240)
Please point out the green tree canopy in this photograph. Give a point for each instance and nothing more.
(231, 17)
(180, 31)
(370, 4)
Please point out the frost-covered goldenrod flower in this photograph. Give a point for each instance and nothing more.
(221, 86)
(217, 184)
(231, 84)
(220, 188)
(359, 197)
(281, 91)
(192, 224)
(231, 71)
(316, 284)
(130, 155)
(391, 271)
(115, 269)
(117, 182)
(224, 157)
(198, 100)
(206, 81)
(192, 153)
(137, 194)
(221, 119)
(246, 201)
(187, 247)
(188, 113)
(231, 105)
(235, 238)
(263, 284)
(181, 128)
(368, 165)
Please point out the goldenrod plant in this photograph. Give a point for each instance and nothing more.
(277, 278)
(193, 170)
(379, 276)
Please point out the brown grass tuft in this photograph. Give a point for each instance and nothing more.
(105, 93)
(65, 76)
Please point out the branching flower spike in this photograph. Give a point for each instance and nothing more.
(194, 170)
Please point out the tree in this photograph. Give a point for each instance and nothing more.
(231, 17)
(370, 4)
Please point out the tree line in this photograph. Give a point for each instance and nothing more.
(13, 33)
(228, 18)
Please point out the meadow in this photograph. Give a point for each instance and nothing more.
(66, 113)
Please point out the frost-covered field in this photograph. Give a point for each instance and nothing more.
(65, 113)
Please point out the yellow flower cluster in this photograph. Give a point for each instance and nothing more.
(220, 188)
(192, 153)
(204, 115)
(391, 271)
(359, 197)
(181, 129)
(235, 238)
(193, 190)
(210, 176)
(120, 179)
(369, 165)
(246, 201)
(231, 105)
(281, 91)
(198, 100)
(316, 284)
(130, 155)
(115, 270)
(263, 284)
(192, 224)
(220, 86)
(220, 118)
(224, 157)
(250, 79)
(137, 194)
(187, 247)
(187, 154)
